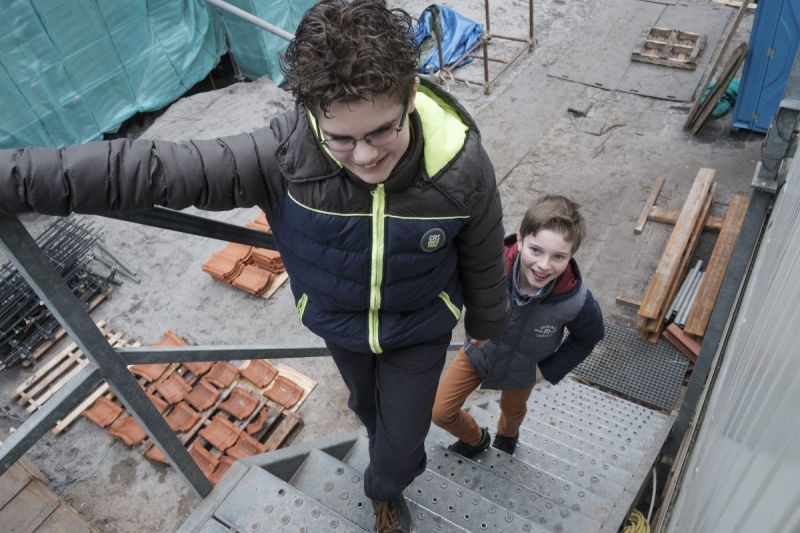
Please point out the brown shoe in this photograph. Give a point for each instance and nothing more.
(392, 516)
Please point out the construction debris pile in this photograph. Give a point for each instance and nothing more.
(220, 412)
(676, 300)
(256, 271)
(26, 323)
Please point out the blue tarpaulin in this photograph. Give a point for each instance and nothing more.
(70, 71)
(458, 34)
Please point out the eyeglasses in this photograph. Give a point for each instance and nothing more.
(381, 137)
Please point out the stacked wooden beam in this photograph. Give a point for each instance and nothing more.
(666, 280)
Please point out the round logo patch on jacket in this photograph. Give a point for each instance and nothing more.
(432, 240)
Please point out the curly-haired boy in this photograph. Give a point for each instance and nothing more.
(547, 296)
(382, 202)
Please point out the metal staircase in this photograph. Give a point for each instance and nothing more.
(583, 454)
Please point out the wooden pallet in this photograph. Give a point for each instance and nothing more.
(59, 333)
(670, 48)
(277, 281)
(736, 3)
(51, 376)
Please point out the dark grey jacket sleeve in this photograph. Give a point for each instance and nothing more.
(124, 176)
(480, 257)
(585, 331)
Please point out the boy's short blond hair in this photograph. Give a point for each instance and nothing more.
(555, 213)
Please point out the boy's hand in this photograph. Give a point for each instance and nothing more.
(479, 344)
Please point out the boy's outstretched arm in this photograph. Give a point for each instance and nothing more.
(124, 176)
(585, 331)
(480, 260)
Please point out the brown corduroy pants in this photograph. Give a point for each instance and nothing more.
(457, 383)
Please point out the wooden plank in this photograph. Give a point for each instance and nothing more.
(65, 422)
(29, 509)
(709, 77)
(282, 432)
(55, 360)
(736, 3)
(697, 321)
(629, 302)
(279, 280)
(12, 482)
(669, 265)
(305, 382)
(65, 519)
(649, 204)
(670, 216)
(658, 324)
(60, 332)
(731, 68)
(685, 344)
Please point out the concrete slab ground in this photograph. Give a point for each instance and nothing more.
(606, 160)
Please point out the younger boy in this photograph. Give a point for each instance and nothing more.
(547, 295)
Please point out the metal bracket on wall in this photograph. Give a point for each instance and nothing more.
(778, 147)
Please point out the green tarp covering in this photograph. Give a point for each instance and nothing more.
(72, 70)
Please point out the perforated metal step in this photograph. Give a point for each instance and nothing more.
(583, 454)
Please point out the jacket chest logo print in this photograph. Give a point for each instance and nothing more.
(432, 240)
(545, 331)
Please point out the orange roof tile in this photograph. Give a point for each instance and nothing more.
(221, 433)
(284, 392)
(222, 374)
(259, 372)
(203, 395)
(240, 403)
(103, 412)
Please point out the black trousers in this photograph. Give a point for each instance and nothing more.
(393, 393)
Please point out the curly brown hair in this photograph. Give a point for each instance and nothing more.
(558, 214)
(345, 51)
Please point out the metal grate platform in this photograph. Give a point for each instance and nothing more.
(648, 373)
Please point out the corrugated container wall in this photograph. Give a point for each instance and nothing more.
(744, 471)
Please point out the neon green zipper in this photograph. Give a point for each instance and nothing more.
(300, 308)
(376, 275)
(450, 305)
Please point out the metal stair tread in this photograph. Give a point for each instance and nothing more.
(524, 500)
(616, 453)
(592, 393)
(595, 475)
(262, 502)
(344, 484)
(612, 421)
(612, 405)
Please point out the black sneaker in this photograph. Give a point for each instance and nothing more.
(392, 516)
(462, 448)
(505, 444)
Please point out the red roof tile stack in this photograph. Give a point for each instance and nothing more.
(247, 268)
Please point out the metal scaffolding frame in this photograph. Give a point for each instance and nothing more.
(446, 73)
(112, 364)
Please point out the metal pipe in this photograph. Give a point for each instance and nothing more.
(687, 281)
(114, 258)
(690, 300)
(143, 355)
(252, 19)
(688, 294)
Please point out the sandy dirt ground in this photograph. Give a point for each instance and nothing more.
(606, 161)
